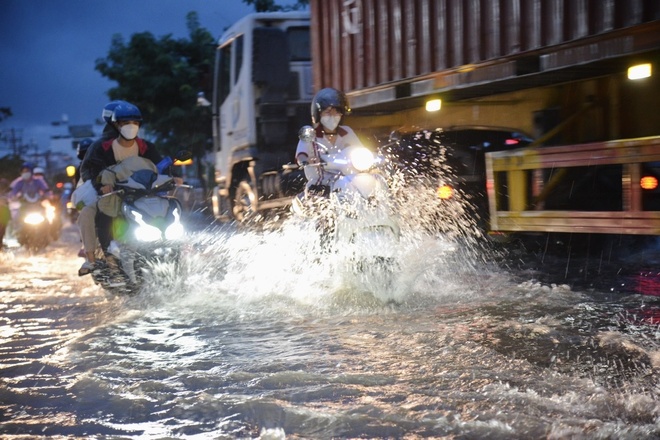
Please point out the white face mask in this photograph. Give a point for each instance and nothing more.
(129, 131)
(330, 122)
(26, 176)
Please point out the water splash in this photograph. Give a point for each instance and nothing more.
(286, 266)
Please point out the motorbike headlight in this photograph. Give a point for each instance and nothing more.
(362, 159)
(147, 233)
(34, 218)
(175, 230)
(144, 231)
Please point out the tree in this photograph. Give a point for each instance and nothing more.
(162, 77)
(5, 112)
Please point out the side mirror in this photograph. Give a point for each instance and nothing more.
(307, 133)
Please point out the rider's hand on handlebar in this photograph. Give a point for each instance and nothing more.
(105, 189)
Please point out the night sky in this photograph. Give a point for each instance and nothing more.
(48, 50)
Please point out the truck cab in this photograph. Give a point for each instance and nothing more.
(261, 96)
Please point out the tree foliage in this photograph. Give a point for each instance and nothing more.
(5, 112)
(162, 76)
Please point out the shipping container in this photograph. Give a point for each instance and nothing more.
(395, 50)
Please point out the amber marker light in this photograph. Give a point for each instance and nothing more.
(445, 192)
(648, 182)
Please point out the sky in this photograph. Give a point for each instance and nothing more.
(48, 50)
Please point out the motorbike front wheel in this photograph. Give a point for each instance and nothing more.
(244, 206)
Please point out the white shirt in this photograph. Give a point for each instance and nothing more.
(345, 137)
(122, 153)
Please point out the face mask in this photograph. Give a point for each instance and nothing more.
(26, 176)
(129, 131)
(330, 122)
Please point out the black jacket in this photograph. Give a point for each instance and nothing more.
(100, 156)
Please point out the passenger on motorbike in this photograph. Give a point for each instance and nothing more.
(40, 173)
(126, 119)
(103, 222)
(81, 150)
(328, 108)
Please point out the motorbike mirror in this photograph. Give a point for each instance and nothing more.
(395, 136)
(183, 155)
(307, 133)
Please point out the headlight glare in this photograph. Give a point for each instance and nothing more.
(362, 159)
(34, 218)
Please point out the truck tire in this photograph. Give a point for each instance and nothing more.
(244, 202)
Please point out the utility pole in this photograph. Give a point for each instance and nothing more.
(14, 138)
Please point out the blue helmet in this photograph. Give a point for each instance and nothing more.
(28, 165)
(126, 112)
(106, 114)
(83, 146)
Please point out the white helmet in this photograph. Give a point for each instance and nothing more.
(38, 170)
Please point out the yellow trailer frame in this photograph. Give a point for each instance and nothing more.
(517, 190)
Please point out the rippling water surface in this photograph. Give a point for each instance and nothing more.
(257, 336)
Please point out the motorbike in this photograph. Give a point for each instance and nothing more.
(66, 205)
(355, 213)
(147, 226)
(35, 225)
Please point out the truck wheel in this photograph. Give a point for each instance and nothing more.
(244, 202)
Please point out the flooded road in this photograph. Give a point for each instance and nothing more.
(249, 340)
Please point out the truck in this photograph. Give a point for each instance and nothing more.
(262, 90)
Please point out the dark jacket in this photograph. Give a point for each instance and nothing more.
(100, 156)
(109, 132)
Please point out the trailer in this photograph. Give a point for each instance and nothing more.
(556, 69)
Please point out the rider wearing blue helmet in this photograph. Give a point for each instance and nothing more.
(126, 120)
(109, 131)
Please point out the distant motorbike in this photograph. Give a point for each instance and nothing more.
(356, 211)
(66, 205)
(36, 225)
(148, 227)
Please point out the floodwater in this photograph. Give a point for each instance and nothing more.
(256, 336)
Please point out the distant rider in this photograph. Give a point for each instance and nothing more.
(328, 109)
(27, 185)
(27, 188)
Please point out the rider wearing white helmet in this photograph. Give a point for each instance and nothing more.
(329, 106)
